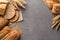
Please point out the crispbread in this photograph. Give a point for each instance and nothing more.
(10, 12)
(14, 19)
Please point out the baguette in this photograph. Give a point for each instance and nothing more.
(4, 31)
(13, 35)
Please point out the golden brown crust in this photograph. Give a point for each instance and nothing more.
(56, 9)
(4, 31)
(3, 22)
(50, 3)
(14, 34)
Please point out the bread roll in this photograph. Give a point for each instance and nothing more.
(56, 9)
(50, 3)
(3, 22)
(2, 9)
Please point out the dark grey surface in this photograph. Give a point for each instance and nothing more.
(37, 22)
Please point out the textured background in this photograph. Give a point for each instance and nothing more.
(37, 22)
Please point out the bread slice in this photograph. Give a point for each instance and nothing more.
(10, 12)
(14, 19)
(3, 1)
(20, 17)
(13, 35)
(2, 8)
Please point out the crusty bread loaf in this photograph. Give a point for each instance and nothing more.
(3, 22)
(13, 35)
(4, 31)
(50, 3)
(56, 9)
(2, 9)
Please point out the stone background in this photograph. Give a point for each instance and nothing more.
(37, 22)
